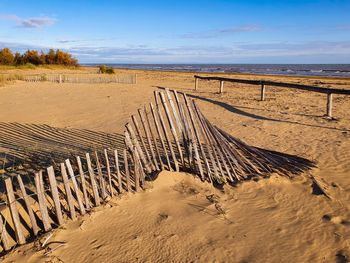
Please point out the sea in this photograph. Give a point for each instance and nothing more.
(338, 70)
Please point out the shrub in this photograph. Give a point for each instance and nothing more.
(106, 70)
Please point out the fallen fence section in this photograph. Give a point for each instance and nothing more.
(169, 134)
(264, 83)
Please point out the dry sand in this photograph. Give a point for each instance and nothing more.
(180, 219)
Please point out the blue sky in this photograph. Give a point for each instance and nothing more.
(221, 31)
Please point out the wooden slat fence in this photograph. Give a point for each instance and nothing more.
(170, 134)
(264, 83)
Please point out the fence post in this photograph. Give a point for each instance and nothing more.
(195, 83)
(221, 86)
(329, 104)
(262, 91)
(60, 79)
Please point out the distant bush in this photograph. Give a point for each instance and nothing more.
(33, 57)
(106, 70)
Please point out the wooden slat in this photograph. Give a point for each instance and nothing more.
(101, 179)
(137, 127)
(135, 142)
(172, 126)
(136, 170)
(196, 132)
(4, 236)
(35, 227)
(83, 183)
(55, 194)
(108, 167)
(14, 212)
(75, 187)
(147, 132)
(167, 138)
(117, 170)
(42, 201)
(69, 195)
(155, 119)
(127, 173)
(93, 180)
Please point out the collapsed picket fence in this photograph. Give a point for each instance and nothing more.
(171, 134)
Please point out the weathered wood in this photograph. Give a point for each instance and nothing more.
(175, 113)
(100, 176)
(196, 132)
(221, 86)
(138, 147)
(280, 84)
(108, 167)
(147, 132)
(167, 138)
(38, 178)
(154, 115)
(30, 212)
(93, 180)
(262, 98)
(136, 170)
(55, 194)
(117, 170)
(75, 187)
(329, 104)
(148, 156)
(83, 183)
(127, 173)
(172, 126)
(4, 236)
(11, 201)
(69, 196)
(196, 83)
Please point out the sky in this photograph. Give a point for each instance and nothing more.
(150, 31)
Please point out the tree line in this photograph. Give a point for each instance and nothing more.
(52, 57)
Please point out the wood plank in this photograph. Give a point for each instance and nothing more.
(136, 170)
(69, 195)
(167, 138)
(172, 126)
(117, 170)
(329, 104)
(135, 142)
(108, 167)
(55, 194)
(12, 203)
(4, 236)
(75, 187)
(147, 132)
(154, 137)
(100, 176)
(145, 150)
(42, 201)
(30, 212)
(83, 183)
(127, 173)
(93, 180)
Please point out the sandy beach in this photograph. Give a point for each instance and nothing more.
(179, 218)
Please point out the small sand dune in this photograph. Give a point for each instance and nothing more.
(181, 219)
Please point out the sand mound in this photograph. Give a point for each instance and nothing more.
(181, 219)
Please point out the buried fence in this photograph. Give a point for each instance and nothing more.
(74, 78)
(170, 134)
(264, 83)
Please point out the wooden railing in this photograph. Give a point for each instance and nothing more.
(264, 83)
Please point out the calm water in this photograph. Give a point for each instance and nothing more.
(341, 70)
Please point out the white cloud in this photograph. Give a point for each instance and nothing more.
(33, 22)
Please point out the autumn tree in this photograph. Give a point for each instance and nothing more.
(6, 57)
